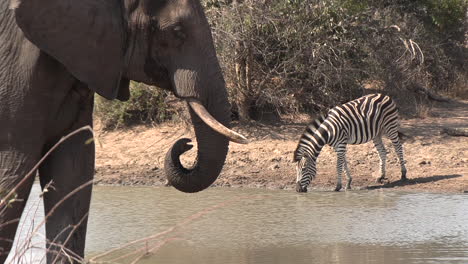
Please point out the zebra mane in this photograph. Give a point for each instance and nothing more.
(314, 125)
(311, 128)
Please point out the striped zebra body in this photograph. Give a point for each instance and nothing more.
(356, 122)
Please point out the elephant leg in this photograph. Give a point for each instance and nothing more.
(66, 174)
(69, 168)
(13, 167)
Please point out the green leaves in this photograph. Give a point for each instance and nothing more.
(447, 14)
(146, 105)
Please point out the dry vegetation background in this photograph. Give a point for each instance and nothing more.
(286, 57)
(286, 60)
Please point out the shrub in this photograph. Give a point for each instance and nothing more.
(146, 105)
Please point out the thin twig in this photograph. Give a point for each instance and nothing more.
(157, 246)
(9, 222)
(79, 188)
(62, 246)
(144, 248)
(20, 231)
(180, 224)
(4, 202)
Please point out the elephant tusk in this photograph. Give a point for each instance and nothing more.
(201, 111)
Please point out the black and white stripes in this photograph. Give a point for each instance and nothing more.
(356, 122)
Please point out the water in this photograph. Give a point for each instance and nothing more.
(262, 226)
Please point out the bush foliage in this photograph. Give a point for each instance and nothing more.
(304, 55)
(146, 105)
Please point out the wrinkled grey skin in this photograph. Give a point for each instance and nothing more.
(54, 54)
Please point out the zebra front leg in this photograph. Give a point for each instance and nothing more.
(348, 175)
(383, 157)
(399, 151)
(341, 158)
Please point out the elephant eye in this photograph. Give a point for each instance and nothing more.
(179, 33)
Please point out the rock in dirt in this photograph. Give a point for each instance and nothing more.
(457, 132)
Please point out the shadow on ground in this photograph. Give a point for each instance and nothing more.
(413, 181)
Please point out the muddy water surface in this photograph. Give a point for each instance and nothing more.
(241, 226)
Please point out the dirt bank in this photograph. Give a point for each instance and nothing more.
(436, 162)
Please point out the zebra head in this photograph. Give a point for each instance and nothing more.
(307, 151)
(306, 170)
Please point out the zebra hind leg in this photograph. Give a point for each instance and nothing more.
(399, 151)
(383, 157)
(348, 175)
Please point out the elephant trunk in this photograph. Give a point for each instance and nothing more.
(212, 147)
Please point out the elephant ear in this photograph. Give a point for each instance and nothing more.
(86, 36)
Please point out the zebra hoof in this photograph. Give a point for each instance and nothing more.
(301, 189)
(381, 179)
(403, 176)
(338, 188)
(167, 183)
(348, 185)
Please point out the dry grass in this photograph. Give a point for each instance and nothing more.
(19, 253)
(423, 110)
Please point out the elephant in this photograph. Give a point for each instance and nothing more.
(54, 55)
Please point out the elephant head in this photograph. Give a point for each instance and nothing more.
(167, 43)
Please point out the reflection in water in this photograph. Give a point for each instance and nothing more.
(284, 226)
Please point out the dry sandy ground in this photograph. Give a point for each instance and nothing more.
(436, 162)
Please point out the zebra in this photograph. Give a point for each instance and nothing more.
(355, 122)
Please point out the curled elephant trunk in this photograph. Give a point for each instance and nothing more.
(213, 139)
